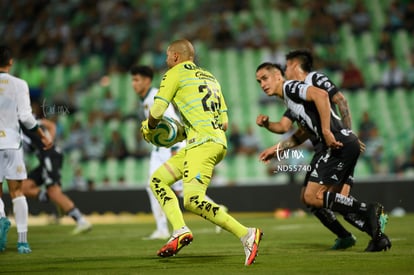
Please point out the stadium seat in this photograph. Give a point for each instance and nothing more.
(92, 170)
(402, 48)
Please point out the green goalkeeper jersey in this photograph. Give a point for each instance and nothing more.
(197, 95)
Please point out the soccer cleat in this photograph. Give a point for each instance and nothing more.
(82, 228)
(344, 243)
(374, 213)
(381, 244)
(23, 248)
(4, 229)
(179, 239)
(251, 244)
(158, 235)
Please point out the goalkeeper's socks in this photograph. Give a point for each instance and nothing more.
(340, 203)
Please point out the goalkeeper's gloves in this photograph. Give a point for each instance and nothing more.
(147, 133)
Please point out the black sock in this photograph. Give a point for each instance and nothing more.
(357, 221)
(340, 203)
(328, 219)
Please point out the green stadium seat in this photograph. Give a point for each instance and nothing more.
(377, 10)
(92, 170)
(402, 48)
(111, 168)
(142, 170)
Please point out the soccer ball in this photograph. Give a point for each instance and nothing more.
(167, 133)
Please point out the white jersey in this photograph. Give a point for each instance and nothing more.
(14, 107)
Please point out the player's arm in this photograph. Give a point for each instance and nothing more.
(27, 119)
(50, 127)
(294, 140)
(157, 111)
(321, 100)
(279, 127)
(168, 88)
(340, 100)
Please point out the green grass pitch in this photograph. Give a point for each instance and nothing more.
(297, 245)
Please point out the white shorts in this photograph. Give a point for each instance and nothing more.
(12, 165)
(161, 155)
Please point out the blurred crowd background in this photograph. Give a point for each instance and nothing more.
(76, 55)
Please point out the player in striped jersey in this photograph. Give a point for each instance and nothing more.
(310, 106)
(299, 66)
(197, 95)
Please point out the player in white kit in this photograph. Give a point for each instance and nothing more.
(141, 82)
(14, 107)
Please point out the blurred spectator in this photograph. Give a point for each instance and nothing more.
(94, 148)
(51, 54)
(79, 183)
(234, 139)
(109, 107)
(385, 47)
(295, 35)
(141, 148)
(352, 78)
(360, 18)
(394, 17)
(393, 76)
(319, 20)
(116, 147)
(121, 182)
(365, 127)
(125, 56)
(91, 185)
(76, 137)
(223, 37)
(158, 58)
(409, 16)
(408, 164)
(409, 74)
(275, 53)
(250, 142)
(329, 60)
(70, 54)
(340, 10)
(259, 34)
(244, 38)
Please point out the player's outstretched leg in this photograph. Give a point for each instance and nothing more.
(180, 238)
(251, 244)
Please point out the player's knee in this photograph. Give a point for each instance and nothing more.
(194, 202)
(310, 198)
